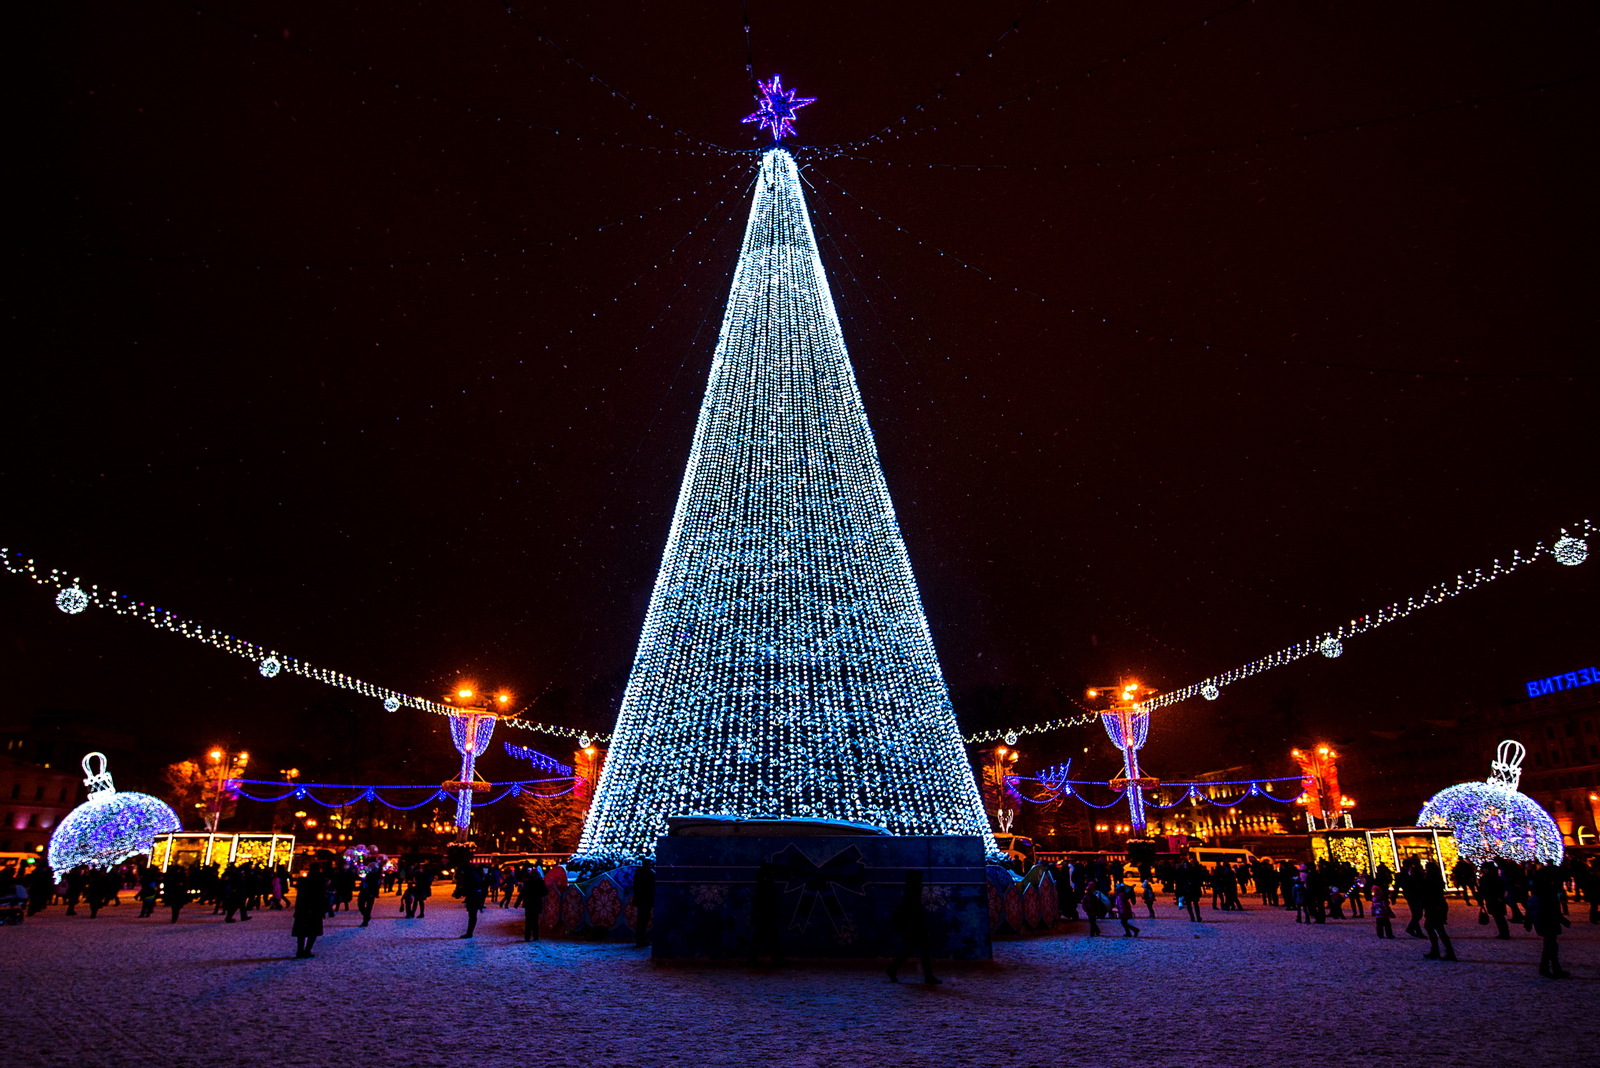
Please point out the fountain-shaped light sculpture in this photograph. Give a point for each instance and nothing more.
(1493, 819)
(1127, 722)
(471, 732)
(110, 826)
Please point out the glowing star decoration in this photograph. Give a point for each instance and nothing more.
(778, 107)
(1331, 648)
(72, 600)
(785, 666)
(1493, 818)
(110, 826)
(269, 667)
(391, 704)
(1570, 551)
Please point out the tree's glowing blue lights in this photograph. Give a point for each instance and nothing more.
(778, 107)
(785, 667)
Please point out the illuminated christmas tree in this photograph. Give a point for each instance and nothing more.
(785, 667)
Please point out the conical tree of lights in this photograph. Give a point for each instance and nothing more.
(785, 666)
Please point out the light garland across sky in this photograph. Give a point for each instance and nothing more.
(73, 597)
(1570, 548)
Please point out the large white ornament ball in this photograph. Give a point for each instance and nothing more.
(269, 667)
(1210, 691)
(72, 600)
(584, 741)
(1011, 738)
(1493, 820)
(1331, 647)
(109, 828)
(1570, 551)
(391, 704)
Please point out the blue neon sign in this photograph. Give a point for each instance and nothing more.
(1582, 677)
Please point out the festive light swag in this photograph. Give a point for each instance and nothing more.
(1493, 818)
(110, 826)
(1570, 549)
(785, 666)
(73, 598)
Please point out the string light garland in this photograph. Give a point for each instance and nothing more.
(702, 148)
(1573, 545)
(843, 152)
(436, 794)
(109, 827)
(269, 662)
(1493, 819)
(785, 666)
(1253, 353)
(541, 760)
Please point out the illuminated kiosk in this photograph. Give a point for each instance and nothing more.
(785, 680)
(1391, 846)
(188, 848)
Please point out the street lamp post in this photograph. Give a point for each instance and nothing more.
(228, 767)
(470, 729)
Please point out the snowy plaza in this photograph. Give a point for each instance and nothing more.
(1250, 988)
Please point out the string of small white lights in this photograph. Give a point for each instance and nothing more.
(721, 182)
(1090, 315)
(617, 94)
(1570, 548)
(1040, 89)
(73, 597)
(940, 89)
(450, 100)
(1212, 149)
(785, 665)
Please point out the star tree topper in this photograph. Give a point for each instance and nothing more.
(777, 109)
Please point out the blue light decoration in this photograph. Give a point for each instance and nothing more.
(1128, 726)
(778, 107)
(1586, 676)
(471, 732)
(110, 826)
(785, 667)
(1493, 818)
(539, 760)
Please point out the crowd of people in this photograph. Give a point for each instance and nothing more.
(1535, 896)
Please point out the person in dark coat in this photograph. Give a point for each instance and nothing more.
(175, 891)
(310, 904)
(911, 923)
(534, 891)
(644, 899)
(1492, 898)
(1545, 904)
(371, 883)
(1435, 911)
(473, 891)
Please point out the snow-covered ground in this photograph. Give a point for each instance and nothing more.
(1245, 989)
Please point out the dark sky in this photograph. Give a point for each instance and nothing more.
(321, 331)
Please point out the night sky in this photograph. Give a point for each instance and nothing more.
(377, 335)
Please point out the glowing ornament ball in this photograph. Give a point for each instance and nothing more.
(110, 826)
(1493, 819)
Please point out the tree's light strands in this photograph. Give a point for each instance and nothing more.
(1570, 548)
(785, 666)
(110, 826)
(1493, 818)
(124, 605)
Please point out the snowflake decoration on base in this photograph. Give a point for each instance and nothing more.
(72, 600)
(777, 109)
(1493, 818)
